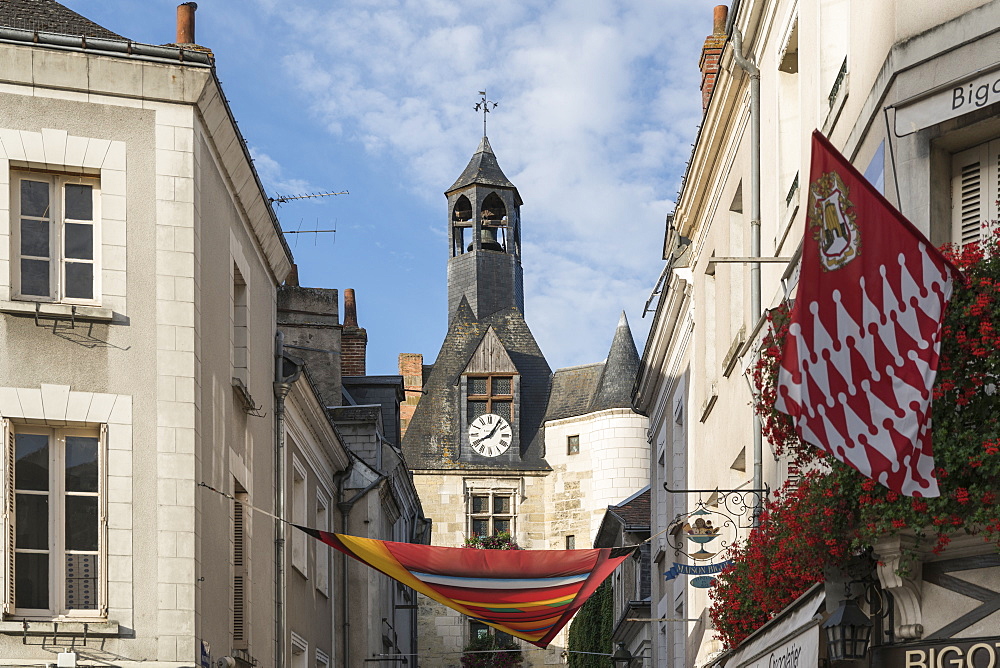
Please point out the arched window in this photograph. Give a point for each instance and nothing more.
(463, 209)
(494, 213)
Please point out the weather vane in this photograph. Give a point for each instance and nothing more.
(484, 106)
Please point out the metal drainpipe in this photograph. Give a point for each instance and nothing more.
(280, 392)
(755, 307)
(345, 511)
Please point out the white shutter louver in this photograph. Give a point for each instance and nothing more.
(975, 191)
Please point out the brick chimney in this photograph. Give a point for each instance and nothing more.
(185, 22)
(411, 368)
(710, 54)
(353, 339)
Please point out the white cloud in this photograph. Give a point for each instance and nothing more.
(598, 105)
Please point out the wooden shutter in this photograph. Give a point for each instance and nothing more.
(8, 516)
(239, 576)
(975, 190)
(102, 504)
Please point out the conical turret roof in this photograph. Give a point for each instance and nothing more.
(614, 390)
(483, 169)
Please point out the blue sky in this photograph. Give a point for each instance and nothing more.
(598, 106)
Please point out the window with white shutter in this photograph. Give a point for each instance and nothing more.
(55, 517)
(975, 191)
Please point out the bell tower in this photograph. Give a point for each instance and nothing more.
(484, 233)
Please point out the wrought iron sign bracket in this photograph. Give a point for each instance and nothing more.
(714, 528)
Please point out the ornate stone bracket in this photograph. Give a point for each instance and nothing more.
(905, 590)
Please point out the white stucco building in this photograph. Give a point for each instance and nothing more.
(907, 92)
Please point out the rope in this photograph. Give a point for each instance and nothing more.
(244, 503)
(281, 519)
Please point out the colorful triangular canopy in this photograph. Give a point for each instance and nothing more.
(530, 594)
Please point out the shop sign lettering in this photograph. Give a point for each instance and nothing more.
(980, 90)
(973, 653)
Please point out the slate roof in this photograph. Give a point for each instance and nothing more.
(633, 513)
(573, 390)
(483, 169)
(432, 435)
(50, 16)
(596, 387)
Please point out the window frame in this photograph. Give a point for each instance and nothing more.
(490, 397)
(57, 259)
(490, 516)
(322, 550)
(57, 610)
(299, 557)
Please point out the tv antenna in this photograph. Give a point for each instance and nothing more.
(281, 199)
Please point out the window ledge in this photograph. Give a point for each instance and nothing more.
(50, 310)
(68, 628)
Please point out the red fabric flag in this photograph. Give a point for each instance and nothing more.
(861, 354)
(530, 594)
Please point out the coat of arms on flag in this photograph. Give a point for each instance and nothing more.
(861, 355)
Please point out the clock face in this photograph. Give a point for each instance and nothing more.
(490, 435)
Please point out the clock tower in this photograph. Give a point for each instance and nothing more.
(497, 441)
(484, 398)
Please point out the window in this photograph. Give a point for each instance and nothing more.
(322, 551)
(299, 551)
(491, 513)
(570, 542)
(975, 178)
(300, 650)
(478, 631)
(573, 444)
(322, 659)
(57, 536)
(240, 329)
(56, 237)
(490, 394)
(240, 579)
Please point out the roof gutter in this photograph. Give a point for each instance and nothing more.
(107, 47)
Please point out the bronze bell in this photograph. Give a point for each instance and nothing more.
(487, 239)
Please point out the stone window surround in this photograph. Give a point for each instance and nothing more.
(57, 151)
(61, 406)
(491, 487)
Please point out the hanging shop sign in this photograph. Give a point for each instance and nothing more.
(690, 569)
(953, 653)
(706, 535)
(977, 90)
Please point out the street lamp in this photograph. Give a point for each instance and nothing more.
(622, 658)
(848, 631)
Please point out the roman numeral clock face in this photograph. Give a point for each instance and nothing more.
(490, 435)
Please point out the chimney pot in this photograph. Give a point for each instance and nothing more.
(185, 22)
(350, 309)
(719, 16)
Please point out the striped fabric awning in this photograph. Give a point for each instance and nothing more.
(530, 594)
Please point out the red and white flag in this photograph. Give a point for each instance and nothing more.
(859, 362)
